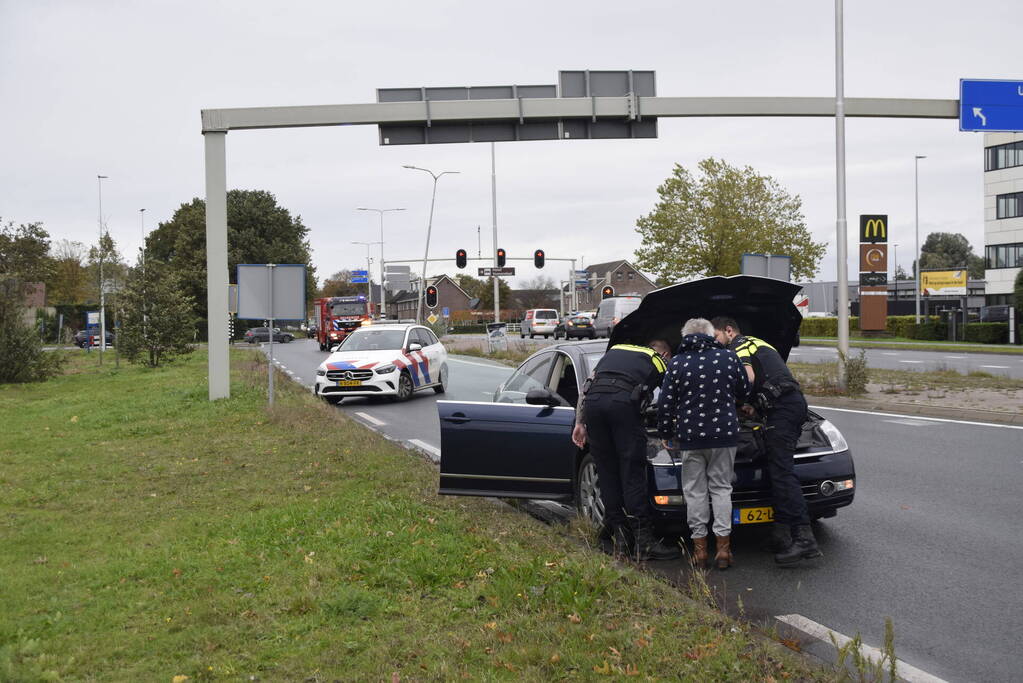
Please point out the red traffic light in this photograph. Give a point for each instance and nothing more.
(607, 292)
(431, 296)
(538, 258)
(501, 257)
(461, 257)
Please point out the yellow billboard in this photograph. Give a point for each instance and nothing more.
(943, 282)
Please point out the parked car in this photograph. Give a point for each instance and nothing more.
(612, 311)
(262, 334)
(82, 338)
(539, 321)
(575, 326)
(519, 445)
(383, 360)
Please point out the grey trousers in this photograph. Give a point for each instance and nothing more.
(706, 483)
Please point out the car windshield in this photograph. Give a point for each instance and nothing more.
(373, 340)
(355, 308)
(546, 315)
(627, 307)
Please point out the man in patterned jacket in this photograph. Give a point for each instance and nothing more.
(696, 414)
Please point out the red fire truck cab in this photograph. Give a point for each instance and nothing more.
(337, 316)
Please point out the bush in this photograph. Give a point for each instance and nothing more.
(22, 358)
(987, 333)
(825, 327)
(468, 329)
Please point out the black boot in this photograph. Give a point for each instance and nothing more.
(649, 547)
(780, 538)
(803, 547)
(616, 540)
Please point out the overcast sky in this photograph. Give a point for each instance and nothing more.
(115, 88)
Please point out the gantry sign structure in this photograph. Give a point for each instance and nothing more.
(579, 107)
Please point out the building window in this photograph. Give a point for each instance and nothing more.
(1003, 255)
(1003, 156)
(618, 275)
(1009, 205)
(632, 276)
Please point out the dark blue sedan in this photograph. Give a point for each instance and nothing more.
(519, 445)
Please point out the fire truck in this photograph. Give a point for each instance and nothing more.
(337, 316)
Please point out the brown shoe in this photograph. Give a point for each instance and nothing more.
(724, 554)
(699, 558)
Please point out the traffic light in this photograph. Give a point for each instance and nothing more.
(460, 258)
(501, 256)
(538, 258)
(605, 293)
(431, 297)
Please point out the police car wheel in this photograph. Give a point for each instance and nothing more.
(443, 385)
(405, 387)
(587, 492)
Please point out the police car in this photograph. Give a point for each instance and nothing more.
(519, 444)
(383, 360)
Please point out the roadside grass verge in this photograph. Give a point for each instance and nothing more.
(819, 379)
(904, 343)
(149, 533)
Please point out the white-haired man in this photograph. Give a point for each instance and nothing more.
(696, 414)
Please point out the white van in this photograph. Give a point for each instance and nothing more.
(539, 321)
(611, 311)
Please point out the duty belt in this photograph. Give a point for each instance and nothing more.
(607, 383)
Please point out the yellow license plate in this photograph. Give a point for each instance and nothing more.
(349, 383)
(752, 515)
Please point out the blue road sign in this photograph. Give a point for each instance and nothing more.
(359, 281)
(446, 312)
(991, 105)
(360, 273)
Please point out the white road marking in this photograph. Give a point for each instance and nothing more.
(911, 423)
(822, 348)
(999, 367)
(957, 357)
(905, 671)
(370, 419)
(482, 365)
(918, 417)
(911, 361)
(889, 353)
(433, 451)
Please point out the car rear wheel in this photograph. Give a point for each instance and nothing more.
(587, 492)
(443, 386)
(405, 387)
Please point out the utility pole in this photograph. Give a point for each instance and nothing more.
(493, 204)
(841, 227)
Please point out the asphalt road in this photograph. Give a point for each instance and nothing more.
(931, 540)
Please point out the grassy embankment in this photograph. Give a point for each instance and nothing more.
(906, 344)
(148, 533)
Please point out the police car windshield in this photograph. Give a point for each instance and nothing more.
(354, 308)
(373, 340)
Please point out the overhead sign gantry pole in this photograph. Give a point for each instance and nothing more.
(570, 113)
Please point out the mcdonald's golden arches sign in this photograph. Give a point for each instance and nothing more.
(873, 228)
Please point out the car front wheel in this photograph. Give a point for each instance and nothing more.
(405, 387)
(587, 492)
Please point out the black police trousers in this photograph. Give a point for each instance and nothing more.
(614, 429)
(784, 425)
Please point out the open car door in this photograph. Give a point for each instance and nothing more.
(506, 450)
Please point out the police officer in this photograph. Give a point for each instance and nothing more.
(778, 398)
(610, 416)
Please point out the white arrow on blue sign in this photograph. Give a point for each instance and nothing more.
(360, 273)
(995, 106)
(359, 280)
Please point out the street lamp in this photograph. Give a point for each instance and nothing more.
(429, 228)
(102, 297)
(916, 194)
(142, 226)
(369, 280)
(383, 295)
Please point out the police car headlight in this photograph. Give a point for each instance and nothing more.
(383, 370)
(320, 372)
(838, 442)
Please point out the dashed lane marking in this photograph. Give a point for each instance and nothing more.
(997, 367)
(432, 451)
(481, 365)
(910, 422)
(957, 357)
(911, 361)
(918, 417)
(906, 672)
(889, 353)
(370, 419)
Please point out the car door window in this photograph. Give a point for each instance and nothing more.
(533, 374)
(564, 382)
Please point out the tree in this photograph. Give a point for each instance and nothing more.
(703, 225)
(157, 317)
(340, 284)
(540, 282)
(950, 251)
(24, 252)
(114, 269)
(258, 231)
(484, 290)
(900, 273)
(22, 358)
(1017, 295)
(69, 283)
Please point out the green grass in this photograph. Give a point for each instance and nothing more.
(818, 379)
(916, 345)
(148, 533)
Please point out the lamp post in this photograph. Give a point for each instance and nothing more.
(841, 228)
(383, 295)
(369, 280)
(102, 297)
(916, 195)
(429, 228)
(895, 270)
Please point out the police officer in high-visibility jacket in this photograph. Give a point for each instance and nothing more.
(610, 417)
(776, 395)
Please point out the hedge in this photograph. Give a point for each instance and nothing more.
(933, 329)
(988, 333)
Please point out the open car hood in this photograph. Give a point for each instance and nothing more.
(762, 307)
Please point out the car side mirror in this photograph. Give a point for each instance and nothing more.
(541, 397)
(414, 347)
